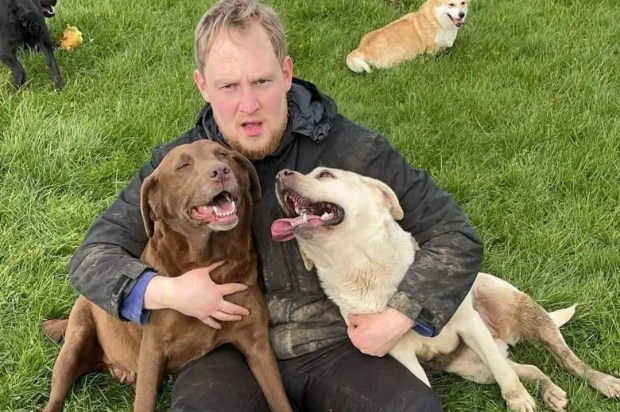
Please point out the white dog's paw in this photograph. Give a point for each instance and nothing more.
(521, 402)
(606, 384)
(555, 398)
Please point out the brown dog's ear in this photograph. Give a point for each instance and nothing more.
(390, 197)
(146, 196)
(254, 182)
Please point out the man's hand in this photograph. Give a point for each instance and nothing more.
(195, 294)
(376, 333)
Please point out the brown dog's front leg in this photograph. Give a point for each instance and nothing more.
(264, 367)
(151, 366)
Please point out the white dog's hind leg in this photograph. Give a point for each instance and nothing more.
(475, 334)
(405, 352)
(470, 367)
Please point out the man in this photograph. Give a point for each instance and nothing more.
(255, 106)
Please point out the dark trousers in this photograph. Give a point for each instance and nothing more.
(336, 379)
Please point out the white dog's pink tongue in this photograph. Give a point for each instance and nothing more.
(282, 229)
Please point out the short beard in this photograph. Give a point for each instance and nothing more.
(259, 154)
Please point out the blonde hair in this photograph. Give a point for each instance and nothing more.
(237, 15)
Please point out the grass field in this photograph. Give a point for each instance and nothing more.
(520, 120)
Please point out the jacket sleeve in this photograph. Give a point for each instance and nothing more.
(106, 265)
(450, 252)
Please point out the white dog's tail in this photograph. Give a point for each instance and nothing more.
(357, 62)
(561, 316)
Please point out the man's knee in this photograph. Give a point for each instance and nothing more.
(424, 400)
(221, 380)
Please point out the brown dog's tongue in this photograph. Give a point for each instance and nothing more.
(282, 229)
(204, 213)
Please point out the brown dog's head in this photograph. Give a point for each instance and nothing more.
(199, 185)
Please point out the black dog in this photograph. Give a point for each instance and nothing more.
(22, 23)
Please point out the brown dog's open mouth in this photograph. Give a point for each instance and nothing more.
(222, 210)
(304, 214)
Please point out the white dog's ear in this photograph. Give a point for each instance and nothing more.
(308, 263)
(390, 198)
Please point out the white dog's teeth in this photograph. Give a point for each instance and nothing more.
(234, 206)
(304, 217)
(326, 216)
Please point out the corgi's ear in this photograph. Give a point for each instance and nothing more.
(308, 264)
(389, 196)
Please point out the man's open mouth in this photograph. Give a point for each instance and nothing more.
(458, 21)
(221, 211)
(48, 11)
(304, 214)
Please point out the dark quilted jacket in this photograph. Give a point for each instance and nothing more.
(105, 266)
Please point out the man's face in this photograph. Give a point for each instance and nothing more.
(246, 86)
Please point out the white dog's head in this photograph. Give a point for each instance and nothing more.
(328, 199)
(454, 10)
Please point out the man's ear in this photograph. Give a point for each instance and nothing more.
(390, 198)
(249, 167)
(150, 203)
(199, 79)
(287, 72)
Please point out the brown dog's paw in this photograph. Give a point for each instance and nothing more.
(55, 329)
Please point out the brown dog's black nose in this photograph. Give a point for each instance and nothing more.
(219, 172)
(283, 173)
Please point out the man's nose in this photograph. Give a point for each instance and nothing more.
(249, 102)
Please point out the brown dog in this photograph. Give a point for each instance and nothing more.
(197, 208)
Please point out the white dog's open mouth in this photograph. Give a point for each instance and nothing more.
(305, 214)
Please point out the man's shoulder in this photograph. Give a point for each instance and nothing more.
(349, 144)
(348, 132)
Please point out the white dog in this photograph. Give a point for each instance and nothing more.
(345, 226)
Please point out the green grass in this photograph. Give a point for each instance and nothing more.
(520, 120)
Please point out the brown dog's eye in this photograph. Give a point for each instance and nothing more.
(222, 155)
(324, 174)
(183, 165)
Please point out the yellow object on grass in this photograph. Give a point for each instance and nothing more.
(71, 38)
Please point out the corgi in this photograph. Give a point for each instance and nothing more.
(430, 29)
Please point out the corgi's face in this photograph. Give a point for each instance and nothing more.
(454, 10)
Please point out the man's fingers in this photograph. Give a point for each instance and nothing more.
(228, 288)
(232, 309)
(219, 315)
(215, 265)
(211, 322)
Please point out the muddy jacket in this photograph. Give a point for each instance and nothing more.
(302, 319)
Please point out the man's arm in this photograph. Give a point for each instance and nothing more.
(106, 265)
(450, 252)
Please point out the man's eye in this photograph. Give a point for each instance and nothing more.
(324, 174)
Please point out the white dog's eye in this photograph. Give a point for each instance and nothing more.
(324, 173)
